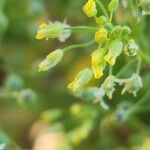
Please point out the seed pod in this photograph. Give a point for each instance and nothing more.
(51, 60)
(81, 79)
(131, 49)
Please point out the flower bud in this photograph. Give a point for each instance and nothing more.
(81, 79)
(113, 5)
(131, 49)
(115, 33)
(145, 4)
(133, 84)
(53, 30)
(102, 20)
(98, 63)
(125, 31)
(101, 36)
(115, 48)
(90, 8)
(108, 86)
(51, 60)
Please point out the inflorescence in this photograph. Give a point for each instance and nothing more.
(111, 40)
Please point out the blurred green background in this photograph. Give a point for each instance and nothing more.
(36, 110)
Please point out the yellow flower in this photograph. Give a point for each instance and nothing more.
(98, 63)
(101, 36)
(53, 30)
(41, 33)
(81, 79)
(115, 48)
(110, 58)
(90, 8)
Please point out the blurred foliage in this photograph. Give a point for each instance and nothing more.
(36, 111)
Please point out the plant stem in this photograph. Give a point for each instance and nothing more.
(82, 29)
(125, 68)
(110, 70)
(111, 16)
(145, 57)
(138, 66)
(79, 45)
(102, 8)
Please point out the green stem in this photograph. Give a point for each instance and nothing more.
(79, 45)
(125, 68)
(110, 70)
(82, 29)
(102, 8)
(145, 57)
(138, 66)
(111, 16)
(143, 109)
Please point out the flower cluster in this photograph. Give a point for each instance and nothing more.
(111, 41)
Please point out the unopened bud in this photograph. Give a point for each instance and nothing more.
(125, 31)
(131, 49)
(115, 33)
(102, 20)
(81, 79)
(51, 60)
(101, 36)
(90, 8)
